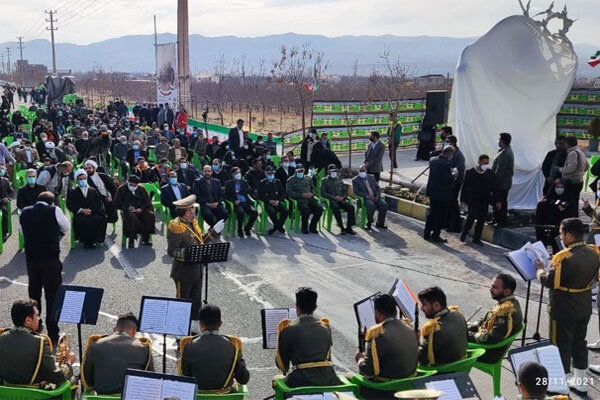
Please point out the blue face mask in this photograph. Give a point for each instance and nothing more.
(183, 165)
(30, 180)
(362, 174)
(136, 147)
(215, 167)
(293, 164)
(227, 147)
(270, 177)
(300, 175)
(82, 183)
(173, 181)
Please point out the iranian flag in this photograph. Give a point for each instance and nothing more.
(595, 59)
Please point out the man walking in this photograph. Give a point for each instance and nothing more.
(439, 191)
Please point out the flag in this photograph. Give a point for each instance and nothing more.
(595, 59)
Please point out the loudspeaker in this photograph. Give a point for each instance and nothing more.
(436, 111)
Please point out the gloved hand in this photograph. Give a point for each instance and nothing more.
(219, 226)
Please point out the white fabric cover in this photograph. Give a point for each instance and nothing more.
(513, 79)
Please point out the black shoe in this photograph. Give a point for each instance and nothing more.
(381, 225)
(131, 243)
(349, 231)
(478, 242)
(89, 246)
(313, 230)
(147, 243)
(247, 232)
(342, 231)
(281, 230)
(241, 233)
(305, 231)
(439, 240)
(271, 231)
(463, 237)
(368, 227)
(427, 237)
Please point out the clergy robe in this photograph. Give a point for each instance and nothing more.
(133, 223)
(89, 229)
(106, 187)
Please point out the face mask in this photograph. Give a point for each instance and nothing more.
(124, 142)
(173, 181)
(2, 172)
(30, 180)
(260, 142)
(237, 177)
(245, 147)
(44, 139)
(598, 194)
(324, 140)
(362, 174)
(85, 138)
(268, 157)
(183, 165)
(82, 183)
(135, 147)
(131, 187)
(227, 147)
(215, 167)
(293, 164)
(485, 167)
(334, 175)
(285, 164)
(270, 177)
(300, 175)
(559, 191)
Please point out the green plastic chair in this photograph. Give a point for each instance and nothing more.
(276, 161)
(395, 385)
(239, 395)
(232, 220)
(8, 140)
(154, 193)
(463, 365)
(89, 396)
(151, 155)
(495, 370)
(295, 216)
(20, 178)
(9, 211)
(263, 217)
(589, 174)
(282, 390)
(19, 393)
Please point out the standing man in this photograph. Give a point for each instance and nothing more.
(184, 232)
(503, 168)
(302, 189)
(236, 136)
(334, 189)
(439, 191)
(457, 162)
(394, 134)
(105, 185)
(43, 224)
(554, 160)
(272, 194)
(570, 279)
(374, 156)
(573, 172)
(477, 193)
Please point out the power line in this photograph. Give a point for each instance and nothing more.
(73, 8)
(82, 8)
(90, 13)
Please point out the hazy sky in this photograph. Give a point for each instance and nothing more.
(86, 21)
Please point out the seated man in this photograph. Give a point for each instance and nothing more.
(108, 357)
(366, 186)
(271, 192)
(28, 194)
(210, 196)
(306, 343)
(334, 189)
(144, 172)
(26, 356)
(27, 157)
(6, 194)
(255, 174)
(220, 173)
(444, 336)
(171, 192)
(187, 173)
(302, 189)
(134, 154)
(237, 191)
(105, 185)
(285, 171)
(392, 346)
(502, 321)
(215, 360)
(138, 212)
(89, 216)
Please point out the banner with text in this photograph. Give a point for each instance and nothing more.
(166, 74)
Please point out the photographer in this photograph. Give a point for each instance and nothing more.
(551, 210)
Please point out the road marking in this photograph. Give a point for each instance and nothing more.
(3, 278)
(129, 269)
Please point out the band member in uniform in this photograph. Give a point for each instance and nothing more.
(570, 279)
(89, 217)
(107, 358)
(502, 321)
(215, 360)
(26, 356)
(184, 232)
(105, 186)
(138, 213)
(305, 343)
(444, 336)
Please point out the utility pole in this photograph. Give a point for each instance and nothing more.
(52, 29)
(2, 58)
(183, 54)
(8, 60)
(20, 65)
(155, 35)
(20, 39)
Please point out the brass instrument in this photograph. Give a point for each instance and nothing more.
(63, 349)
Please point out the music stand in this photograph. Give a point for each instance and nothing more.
(205, 254)
(142, 384)
(81, 305)
(462, 381)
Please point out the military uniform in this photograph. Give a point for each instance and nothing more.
(294, 188)
(444, 338)
(570, 278)
(500, 322)
(306, 343)
(27, 359)
(215, 360)
(107, 358)
(335, 187)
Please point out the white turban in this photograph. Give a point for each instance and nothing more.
(49, 144)
(92, 163)
(80, 172)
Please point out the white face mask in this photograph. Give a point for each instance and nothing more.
(559, 191)
(362, 174)
(334, 175)
(485, 167)
(238, 176)
(132, 188)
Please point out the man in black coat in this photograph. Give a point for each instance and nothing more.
(554, 159)
(236, 136)
(28, 194)
(171, 192)
(210, 197)
(170, 116)
(237, 191)
(477, 194)
(187, 173)
(283, 173)
(272, 193)
(439, 191)
(89, 217)
(255, 174)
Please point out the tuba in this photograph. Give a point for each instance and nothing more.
(63, 349)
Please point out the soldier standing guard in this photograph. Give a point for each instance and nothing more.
(183, 232)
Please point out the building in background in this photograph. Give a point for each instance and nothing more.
(29, 75)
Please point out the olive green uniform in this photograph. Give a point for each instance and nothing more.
(26, 359)
(187, 276)
(502, 321)
(306, 343)
(335, 187)
(294, 188)
(215, 360)
(108, 357)
(444, 338)
(570, 278)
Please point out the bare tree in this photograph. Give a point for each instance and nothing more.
(220, 70)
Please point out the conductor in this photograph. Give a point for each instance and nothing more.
(183, 232)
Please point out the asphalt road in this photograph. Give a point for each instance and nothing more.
(265, 271)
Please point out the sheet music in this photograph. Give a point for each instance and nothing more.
(550, 358)
(154, 316)
(272, 319)
(597, 239)
(178, 390)
(178, 318)
(142, 388)
(448, 387)
(72, 307)
(537, 251)
(366, 313)
(521, 358)
(405, 300)
(524, 259)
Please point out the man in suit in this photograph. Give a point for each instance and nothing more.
(365, 186)
(374, 156)
(237, 191)
(6, 194)
(171, 192)
(108, 357)
(136, 152)
(220, 173)
(89, 217)
(210, 196)
(187, 173)
(302, 189)
(176, 152)
(394, 134)
(236, 136)
(28, 194)
(477, 194)
(272, 194)
(27, 157)
(439, 191)
(305, 343)
(26, 356)
(214, 359)
(285, 171)
(105, 185)
(503, 168)
(255, 174)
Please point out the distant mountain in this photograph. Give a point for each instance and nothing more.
(428, 54)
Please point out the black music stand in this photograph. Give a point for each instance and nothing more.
(462, 380)
(92, 298)
(206, 254)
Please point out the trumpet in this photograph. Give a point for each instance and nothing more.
(63, 349)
